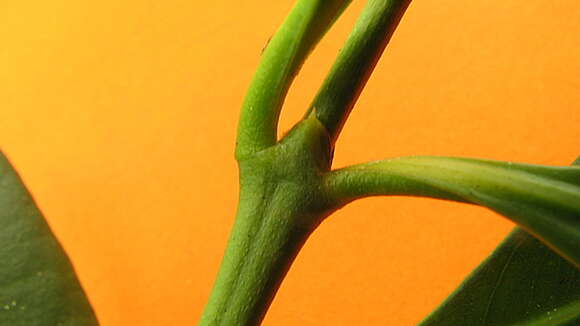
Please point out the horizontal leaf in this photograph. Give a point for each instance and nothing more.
(543, 200)
(38, 286)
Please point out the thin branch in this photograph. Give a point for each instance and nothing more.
(281, 60)
(544, 200)
(355, 63)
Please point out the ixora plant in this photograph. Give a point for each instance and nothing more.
(288, 188)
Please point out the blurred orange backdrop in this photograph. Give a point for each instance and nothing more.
(121, 118)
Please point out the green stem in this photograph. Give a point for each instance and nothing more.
(286, 187)
(305, 25)
(544, 200)
(261, 248)
(280, 204)
(356, 61)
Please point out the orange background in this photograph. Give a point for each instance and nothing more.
(121, 117)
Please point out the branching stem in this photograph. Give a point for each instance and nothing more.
(305, 25)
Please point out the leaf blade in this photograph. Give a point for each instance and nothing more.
(524, 283)
(38, 285)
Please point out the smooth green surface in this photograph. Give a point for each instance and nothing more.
(522, 283)
(543, 200)
(305, 25)
(355, 62)
(281, 203)
(38, 286)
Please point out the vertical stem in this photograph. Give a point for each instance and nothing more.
(266, 237)
(253, 268)
(282, 201)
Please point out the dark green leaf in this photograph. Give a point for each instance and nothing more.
(38, 286)
(522, 283)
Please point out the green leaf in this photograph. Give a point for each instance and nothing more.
(543, 200)
(522, 283)
(38, 286)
